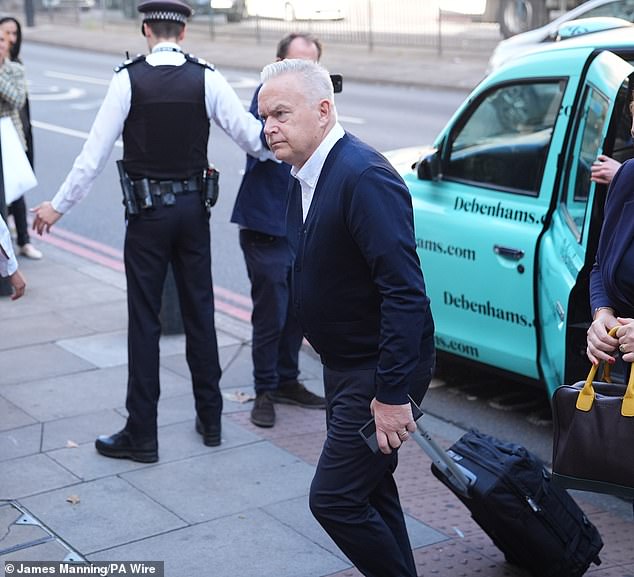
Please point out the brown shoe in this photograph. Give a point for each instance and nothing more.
(294, 393)
(263, 411)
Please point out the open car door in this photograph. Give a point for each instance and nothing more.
(567, 246)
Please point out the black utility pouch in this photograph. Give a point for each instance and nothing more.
(211, 189)
(143, 194)
(127, 188)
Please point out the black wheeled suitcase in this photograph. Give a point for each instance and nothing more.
(509, 493)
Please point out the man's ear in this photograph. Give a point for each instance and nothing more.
(325, 110)
(181, 36)
(145, 30)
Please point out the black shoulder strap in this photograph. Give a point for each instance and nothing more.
(199, 61)
(129, 62)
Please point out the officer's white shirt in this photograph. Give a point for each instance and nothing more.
(8, 262)
(222, 104)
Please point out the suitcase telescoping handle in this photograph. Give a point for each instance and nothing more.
(459, 477)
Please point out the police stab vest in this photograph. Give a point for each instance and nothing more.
(166, 132)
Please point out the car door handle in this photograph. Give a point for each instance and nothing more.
(506, 252)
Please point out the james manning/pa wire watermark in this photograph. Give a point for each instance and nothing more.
(100, 568)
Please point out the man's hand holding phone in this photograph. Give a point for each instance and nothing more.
(391, 425)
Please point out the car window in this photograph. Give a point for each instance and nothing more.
(504, 142)
(587, 144)
(620, 9)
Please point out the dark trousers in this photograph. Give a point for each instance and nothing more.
(18, 209)
(277, 336)
(353, 494)
(179, 235)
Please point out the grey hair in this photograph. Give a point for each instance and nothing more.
(315, 77)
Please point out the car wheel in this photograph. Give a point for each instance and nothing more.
(234, 16)
(520, 15)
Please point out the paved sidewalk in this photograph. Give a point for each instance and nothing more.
(239, 510)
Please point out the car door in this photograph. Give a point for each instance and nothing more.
(565, 252)
(477, 226)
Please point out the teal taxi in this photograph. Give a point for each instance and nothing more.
(507, 219)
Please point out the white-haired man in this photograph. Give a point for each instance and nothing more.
(359, 294)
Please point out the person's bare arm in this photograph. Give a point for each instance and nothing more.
(393, 424)
(19, 285)
(600, 343)
(45, 217)
(603, 169)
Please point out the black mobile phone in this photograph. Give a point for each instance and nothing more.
(368, 431)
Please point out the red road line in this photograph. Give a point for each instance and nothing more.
(112, 258)
(237, 298)
(104, 248)
(230, 310)
(86, 253)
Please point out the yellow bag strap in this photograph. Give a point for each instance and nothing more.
(627, 408)
(586, 395)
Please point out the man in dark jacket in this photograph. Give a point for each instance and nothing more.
(260, 211)
(359, 294)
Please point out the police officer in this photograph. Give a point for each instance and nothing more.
(162, 104)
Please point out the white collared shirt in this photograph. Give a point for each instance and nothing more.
(308, 175)
(8, 262)
(222, 103)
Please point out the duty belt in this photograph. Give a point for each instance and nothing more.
(145, 193)
(176, 187)
(150, 193)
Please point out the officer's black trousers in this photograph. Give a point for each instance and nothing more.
(353, 494)
(178, 234)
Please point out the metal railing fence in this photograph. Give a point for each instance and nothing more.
(370, 23)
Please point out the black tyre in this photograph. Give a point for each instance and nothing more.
(239, 12)
(517, 16)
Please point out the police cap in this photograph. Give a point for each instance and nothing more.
(171, 10)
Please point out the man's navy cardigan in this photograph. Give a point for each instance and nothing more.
(358, 288)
